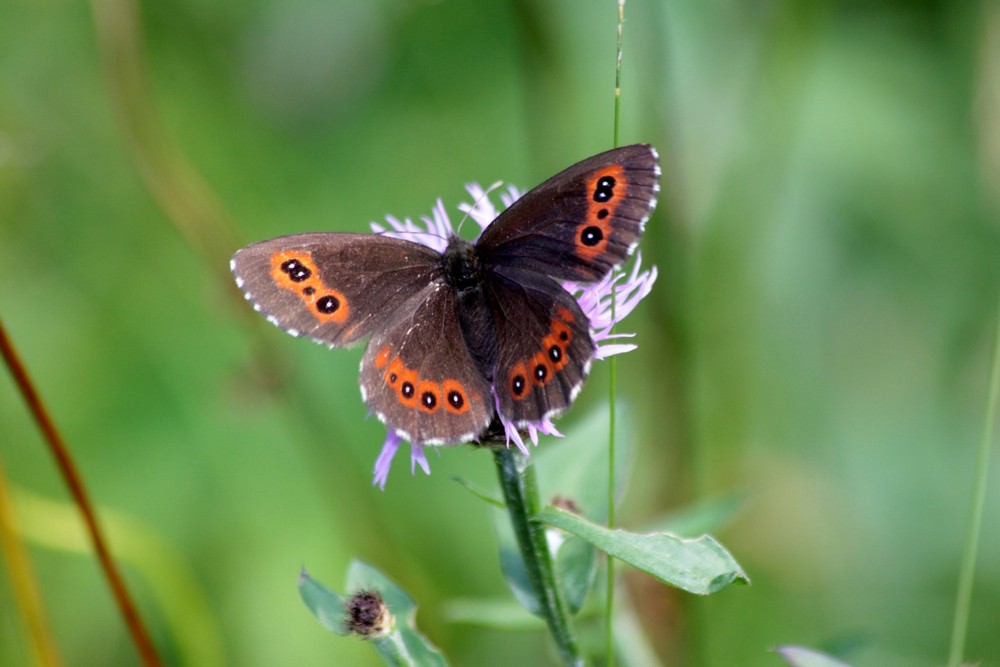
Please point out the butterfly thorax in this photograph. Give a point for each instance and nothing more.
(462, 269)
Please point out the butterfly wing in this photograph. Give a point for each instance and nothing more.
(333, 287)
(580, 223)
(545, 347)
(418, 375)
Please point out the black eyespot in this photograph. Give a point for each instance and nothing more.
(327, 304)
(555, 353)
(604, 190)
(591, 236)
(455, 399)
(407, 390)
(563, 335)
(296, 270)
(541, 372)
(308, 291)
(429, 400)
(518, 385)
(603, 213)
(392, 378)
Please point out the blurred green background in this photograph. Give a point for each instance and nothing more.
(818, 341)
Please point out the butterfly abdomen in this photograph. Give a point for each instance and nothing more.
(463, 273)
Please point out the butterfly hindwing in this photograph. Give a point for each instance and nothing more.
(418, 375)
(544, 342)
(580, 223)
(335, 288)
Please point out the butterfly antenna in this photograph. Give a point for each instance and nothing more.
(475, 205)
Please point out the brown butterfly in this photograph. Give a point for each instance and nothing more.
(478, 332)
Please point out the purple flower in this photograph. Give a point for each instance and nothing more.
(594, 299)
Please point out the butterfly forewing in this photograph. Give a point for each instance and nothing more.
(335, 288)
(582, 222)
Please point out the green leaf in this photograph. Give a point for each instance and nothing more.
(325, 605)
(699, 565)
(799, 656)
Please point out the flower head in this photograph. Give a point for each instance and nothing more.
(595, 300)
(367, 615)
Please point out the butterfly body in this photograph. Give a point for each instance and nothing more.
(479, 330)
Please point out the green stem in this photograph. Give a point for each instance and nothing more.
(609, 601)
(967, 575)
(520, 491)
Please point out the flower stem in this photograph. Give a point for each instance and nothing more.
(609, 601)
(520, 491)
(71, 476)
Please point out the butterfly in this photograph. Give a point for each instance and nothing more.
(479, 332)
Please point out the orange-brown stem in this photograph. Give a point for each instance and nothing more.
(64, 461)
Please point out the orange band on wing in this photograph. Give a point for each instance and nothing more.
(552, 357)
(414, 391)
(605, 189)
(296, 271)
